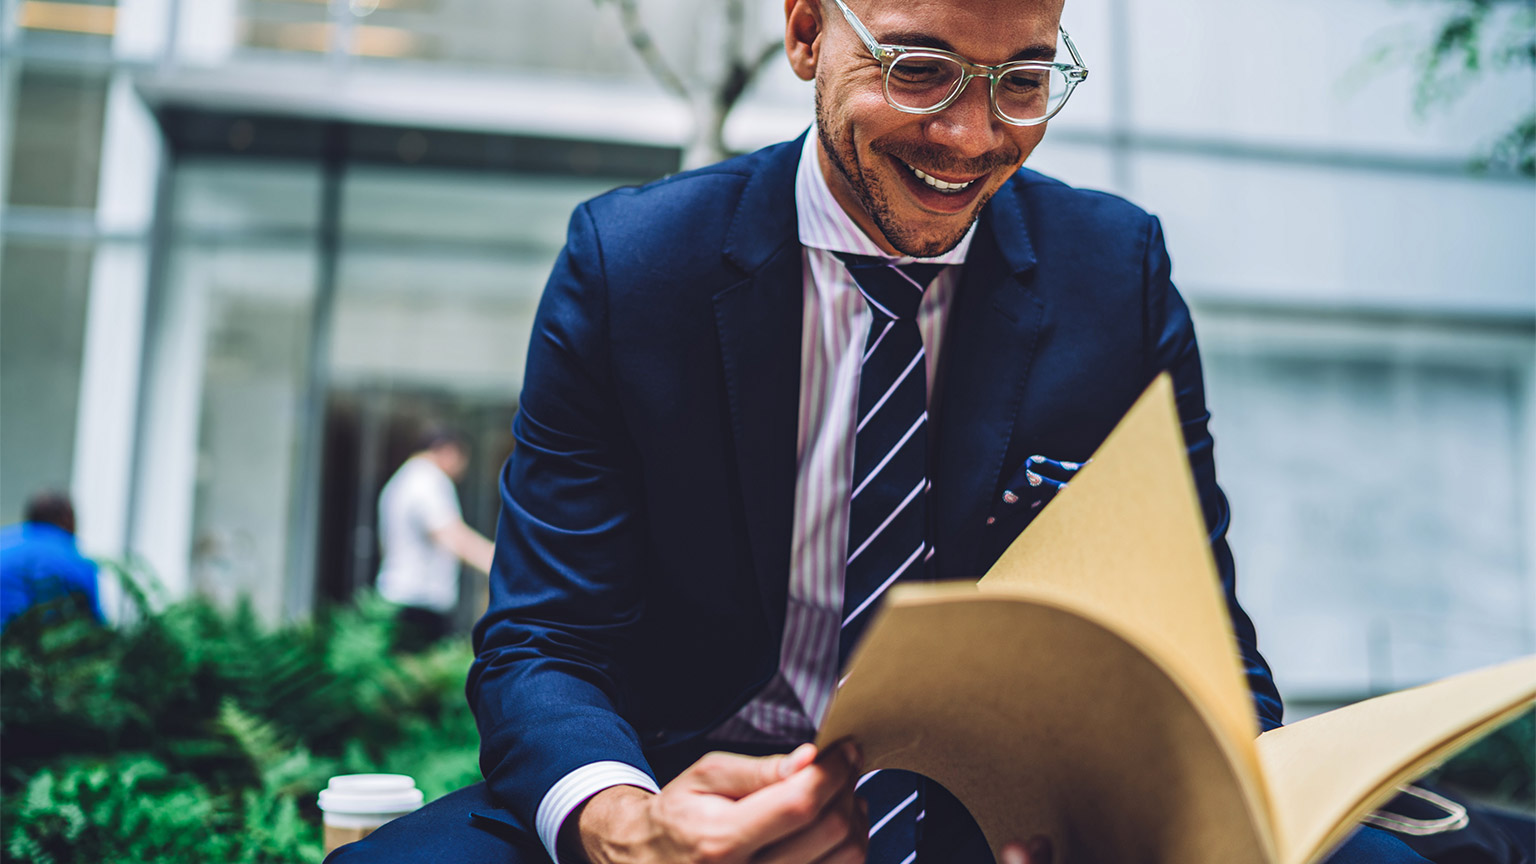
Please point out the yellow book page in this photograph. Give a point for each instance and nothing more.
(1043, 722)
(1326, 772)
(1125, 544)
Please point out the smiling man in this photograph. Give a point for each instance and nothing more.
(915, 180)
(757, 396)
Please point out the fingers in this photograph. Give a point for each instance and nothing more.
(840, 833)
(796, 759)
(798, 807)
(795, 803)
(836, 832)
(735, 777)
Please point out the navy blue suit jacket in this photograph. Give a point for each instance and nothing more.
(642, 559)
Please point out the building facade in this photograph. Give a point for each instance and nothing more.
(246, 244)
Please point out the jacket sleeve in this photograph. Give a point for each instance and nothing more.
(565, 586)
(1170, 338)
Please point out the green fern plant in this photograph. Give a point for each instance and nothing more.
(197, 734)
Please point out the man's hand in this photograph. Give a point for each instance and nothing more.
(466, 544)
(725, 809)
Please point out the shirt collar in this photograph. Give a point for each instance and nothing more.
(823, 224)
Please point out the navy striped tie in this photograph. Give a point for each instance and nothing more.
(888, 516)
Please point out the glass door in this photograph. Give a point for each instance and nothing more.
(439, 272)
(227, 376)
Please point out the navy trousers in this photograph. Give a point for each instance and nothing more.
(464, 827)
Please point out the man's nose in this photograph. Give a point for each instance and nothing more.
(968, 127)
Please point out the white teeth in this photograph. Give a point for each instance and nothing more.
(938, 184)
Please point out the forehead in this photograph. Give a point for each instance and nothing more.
(987, 31)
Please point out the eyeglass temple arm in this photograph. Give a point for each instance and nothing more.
(1077, 59)
(864, 35)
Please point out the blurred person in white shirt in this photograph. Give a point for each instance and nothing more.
(424, 537)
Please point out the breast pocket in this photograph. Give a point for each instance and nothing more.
(1029, 488)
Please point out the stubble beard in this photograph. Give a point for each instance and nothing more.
(865, 185)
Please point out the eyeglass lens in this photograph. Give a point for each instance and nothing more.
(921, 81)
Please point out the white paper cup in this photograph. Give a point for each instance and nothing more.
(355, 804)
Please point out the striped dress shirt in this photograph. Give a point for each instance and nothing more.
(835, 325)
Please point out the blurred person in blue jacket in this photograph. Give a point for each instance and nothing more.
(39, 562)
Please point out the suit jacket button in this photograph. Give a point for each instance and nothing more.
(658, 736)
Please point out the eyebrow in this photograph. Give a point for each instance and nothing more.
(907, 39)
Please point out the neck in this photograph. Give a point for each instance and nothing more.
(843, 195)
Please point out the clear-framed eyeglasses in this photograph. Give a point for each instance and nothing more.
(928, 80)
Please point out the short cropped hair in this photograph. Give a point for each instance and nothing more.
(52, 508)
(442, 436)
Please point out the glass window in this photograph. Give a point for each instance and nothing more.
(572, 36)
(256, 303)
(583, 39)
(56, 143)
(1378, 485)
(455, 320)
(224, 197)
(73, 26)
(438, 275)
(388, 203)
(233, 333)
(438, 279)
(44, 288)
(288, 26)
(440, 272)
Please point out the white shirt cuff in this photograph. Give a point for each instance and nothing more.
(575, 788)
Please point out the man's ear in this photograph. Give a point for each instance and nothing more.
(802, 36)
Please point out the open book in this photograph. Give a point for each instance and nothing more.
(1089, 688)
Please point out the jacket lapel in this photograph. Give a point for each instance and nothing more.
(993, 329)
(758, 321)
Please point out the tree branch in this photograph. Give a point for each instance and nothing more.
(740, 74)
(640, 39)
(766, 54)
(735, 26)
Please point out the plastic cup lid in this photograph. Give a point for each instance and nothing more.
(370, 793)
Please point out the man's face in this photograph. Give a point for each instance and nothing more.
(869, 150)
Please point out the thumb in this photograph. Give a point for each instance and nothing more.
(736, 777)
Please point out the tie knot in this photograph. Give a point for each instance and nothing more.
(892, 290)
